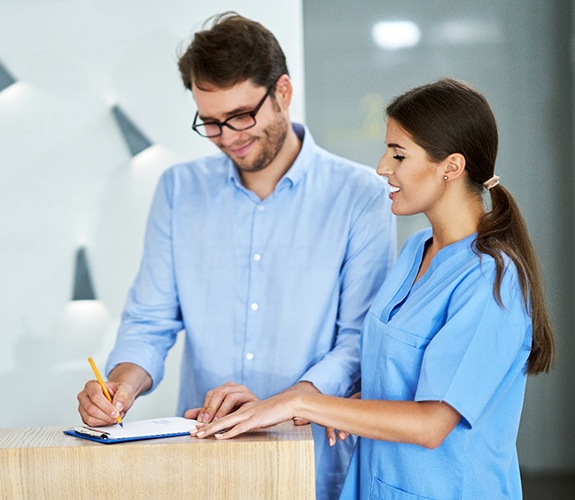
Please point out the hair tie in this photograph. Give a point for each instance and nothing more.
(491, 183)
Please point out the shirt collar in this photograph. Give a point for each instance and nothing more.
(299, 166)
(303, 160)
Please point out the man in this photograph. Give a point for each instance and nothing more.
(267, 254)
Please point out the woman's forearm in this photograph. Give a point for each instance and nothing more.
(423, 423)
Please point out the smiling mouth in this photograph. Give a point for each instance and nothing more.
(238, 151)
(393, 189)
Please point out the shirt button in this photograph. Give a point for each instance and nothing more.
(250, 356)
(257, 257)
(254, 306)
(261, 208)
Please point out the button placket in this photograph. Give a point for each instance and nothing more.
(254, 295)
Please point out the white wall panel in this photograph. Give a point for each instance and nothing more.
(67, 179)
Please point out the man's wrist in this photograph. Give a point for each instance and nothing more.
(133, 375)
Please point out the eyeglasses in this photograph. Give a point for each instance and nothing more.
(242, 121)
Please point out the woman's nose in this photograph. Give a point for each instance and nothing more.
(382, 167)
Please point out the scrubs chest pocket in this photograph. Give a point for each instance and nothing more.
(395, 357)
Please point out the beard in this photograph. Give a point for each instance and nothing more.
(271, 141)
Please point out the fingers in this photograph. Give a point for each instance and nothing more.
(331, 435)
(94, 407)
(226, 427)
(223, 400)
(203, 430)
(342, 435)
(192, 413)
(122, 398)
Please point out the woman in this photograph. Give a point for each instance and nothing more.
(453, 332)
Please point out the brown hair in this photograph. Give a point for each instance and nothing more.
(450, 116)
(232, 50)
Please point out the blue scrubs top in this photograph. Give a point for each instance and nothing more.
(445, 338)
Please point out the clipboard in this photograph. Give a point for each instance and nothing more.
(135, 431)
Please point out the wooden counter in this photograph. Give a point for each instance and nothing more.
(44, 463)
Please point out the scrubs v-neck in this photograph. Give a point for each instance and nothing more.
(445, 338)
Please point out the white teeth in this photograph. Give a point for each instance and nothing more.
(393, 189)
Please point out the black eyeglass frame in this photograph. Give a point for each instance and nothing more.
(225, 123)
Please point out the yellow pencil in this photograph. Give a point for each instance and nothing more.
(103, 386)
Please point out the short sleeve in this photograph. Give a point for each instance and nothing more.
(482, 345)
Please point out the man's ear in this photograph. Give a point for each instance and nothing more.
(284, 91)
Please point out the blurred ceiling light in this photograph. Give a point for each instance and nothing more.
(393, 35)
(134, 138)
(470, 32)
(6, 79)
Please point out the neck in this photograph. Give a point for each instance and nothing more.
(263, 182)
(454, 220)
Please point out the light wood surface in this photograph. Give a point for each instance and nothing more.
(44, 463)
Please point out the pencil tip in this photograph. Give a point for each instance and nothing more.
(121, 425)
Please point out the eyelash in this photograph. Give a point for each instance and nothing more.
(399, 157)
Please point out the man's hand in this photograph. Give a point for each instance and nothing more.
(127, 381)
(96, 410)
(221, 401)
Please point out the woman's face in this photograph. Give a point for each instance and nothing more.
(416, 183)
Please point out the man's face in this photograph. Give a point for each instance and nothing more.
(253, 149)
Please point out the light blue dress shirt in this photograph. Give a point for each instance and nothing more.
(268, 293)
(445, 338)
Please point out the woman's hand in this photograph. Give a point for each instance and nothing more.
(254, 415)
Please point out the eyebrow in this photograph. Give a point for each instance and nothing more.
(394, 145)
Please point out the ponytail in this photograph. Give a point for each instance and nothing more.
(502, 230)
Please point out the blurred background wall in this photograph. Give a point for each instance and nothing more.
(68, 179)
(519, 54)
